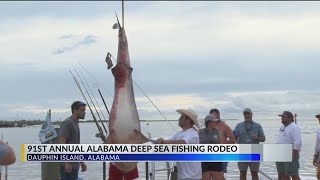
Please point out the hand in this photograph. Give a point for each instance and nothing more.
(294, 154)
(67, 167)
(160, 141)
(315, 161)
(254, 137)
(83, 167)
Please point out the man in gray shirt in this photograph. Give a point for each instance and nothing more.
(249, 132)
(70, 134)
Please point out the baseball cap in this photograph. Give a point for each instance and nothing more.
(287, 113)
(247, 110)
(210, 118)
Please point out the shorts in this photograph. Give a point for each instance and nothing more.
(212, 166)
(116, 174)
(289, 168)
(225, 166)
(254, 166)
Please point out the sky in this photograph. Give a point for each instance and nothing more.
(199, 55)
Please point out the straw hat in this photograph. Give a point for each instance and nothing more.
(191, 114)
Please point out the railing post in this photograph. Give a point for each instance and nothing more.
(147, 171)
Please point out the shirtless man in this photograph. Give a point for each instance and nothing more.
(224, 129)
(226, 133)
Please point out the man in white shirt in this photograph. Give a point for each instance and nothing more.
(289, 133)
(316, 150)
(188, 135)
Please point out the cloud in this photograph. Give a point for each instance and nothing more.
(225, 54)
(87, 40)
(67, 36)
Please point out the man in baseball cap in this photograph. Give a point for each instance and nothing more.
(289, 133)
(249, 132)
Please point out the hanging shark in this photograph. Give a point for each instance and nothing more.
(124, 122)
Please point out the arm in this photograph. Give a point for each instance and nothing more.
(261, 136)
(229, 135)
(296, 142)
(7, 156)
(192, 138)
(236, 132)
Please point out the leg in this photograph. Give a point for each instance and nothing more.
(225, 165)
(280, 170)
(69, 176)
(243, 175)
(292, 169)
(254, 168)
(295, 177)
(243, 167)
(75, 173)
(217, 175)
(206, 175)
(254, 175)
(285, 177)
(318, 172)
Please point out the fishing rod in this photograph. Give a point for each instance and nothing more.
(102, 136)
(95, 101)
(91, 100)
(95, 80)
(103, 100)
(98, 87)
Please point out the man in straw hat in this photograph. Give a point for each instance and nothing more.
(188, 135)
(317, 150)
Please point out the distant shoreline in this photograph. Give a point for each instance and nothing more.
(24, 123)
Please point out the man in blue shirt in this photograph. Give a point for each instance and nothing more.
(249, 132)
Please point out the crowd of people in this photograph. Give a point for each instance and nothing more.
(216, 131)
(245, 132)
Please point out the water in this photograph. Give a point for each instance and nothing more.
(32, 170)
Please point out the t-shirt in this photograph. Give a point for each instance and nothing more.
(244, 130)
(188, 170)
(71, 131)
(290, 135)
(3, 151)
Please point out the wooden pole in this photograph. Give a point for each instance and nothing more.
(51, 170)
